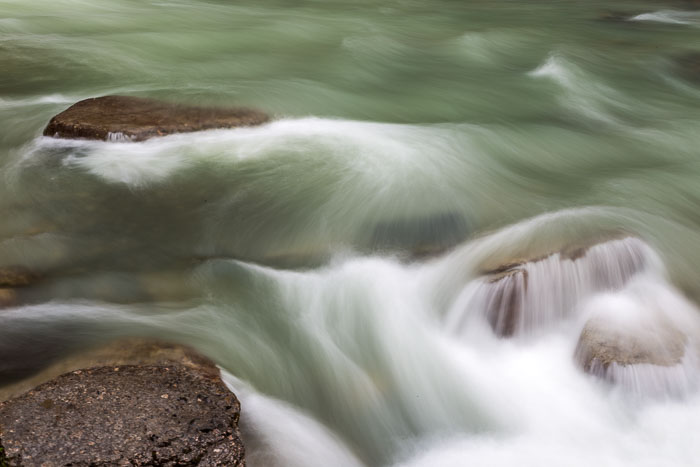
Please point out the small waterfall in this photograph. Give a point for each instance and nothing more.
(633, 329)
(525, 297)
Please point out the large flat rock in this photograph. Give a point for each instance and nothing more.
(124, 118)
(161, 414)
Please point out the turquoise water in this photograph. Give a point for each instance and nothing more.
(294, 253)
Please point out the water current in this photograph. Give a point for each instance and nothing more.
(355, 266)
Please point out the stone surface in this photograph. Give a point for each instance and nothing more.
(121, 352)
(514, 298)
(124, 415)
(8, 298)
(120, 408)
(16, 276)
(505, 304)
(12, 277)
(123, 118)
(600, 345)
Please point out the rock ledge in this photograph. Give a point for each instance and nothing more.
(124, 415)
(124, 118)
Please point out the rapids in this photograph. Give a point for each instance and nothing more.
(341, 263)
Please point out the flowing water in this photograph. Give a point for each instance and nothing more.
(338, 263)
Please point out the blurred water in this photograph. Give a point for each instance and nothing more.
(332, 261)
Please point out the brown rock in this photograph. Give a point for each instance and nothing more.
(137, 119)
(600, 345)
(8, 298)
(117, 353)
(569, 249)
(509, 305)
(16, 276)
(505, 304)
(174, 414)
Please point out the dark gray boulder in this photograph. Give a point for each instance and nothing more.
(125, 118)
(125, 415)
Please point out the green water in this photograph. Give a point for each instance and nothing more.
(399, 127)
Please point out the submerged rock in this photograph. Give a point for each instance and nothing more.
(421, 236)
(688, 66)
(164, 414)
(124, 118)
(615, 16)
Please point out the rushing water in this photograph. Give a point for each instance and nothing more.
(332, 261)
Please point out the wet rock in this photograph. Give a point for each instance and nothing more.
(602, 345)
(11, 278)
(131, 351)
(123, 118)
(421, 236)
(504, 308)
(523, 295)
(172, 414)
(8, 298)
(17, 276)
(614, 16)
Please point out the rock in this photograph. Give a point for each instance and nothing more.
(504, 309)
(523, 295)
(421, 237)
(602, 345)
(121, 352)
(163, 414)
(123, 118)
(10, 278)
(615, 16)
(8, 298)
(16, 276)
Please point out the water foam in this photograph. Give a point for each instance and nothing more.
(582, 93)
(670, 17)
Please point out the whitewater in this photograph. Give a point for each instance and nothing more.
(402, 266)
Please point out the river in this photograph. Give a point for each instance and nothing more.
(331, 261)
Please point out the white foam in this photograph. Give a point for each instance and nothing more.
(369, 157)
(581, 92)
(548, 290)
(278, 435)
(670, 17)
(6, 103)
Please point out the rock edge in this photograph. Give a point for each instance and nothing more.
(126, 118)
(154, 414)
